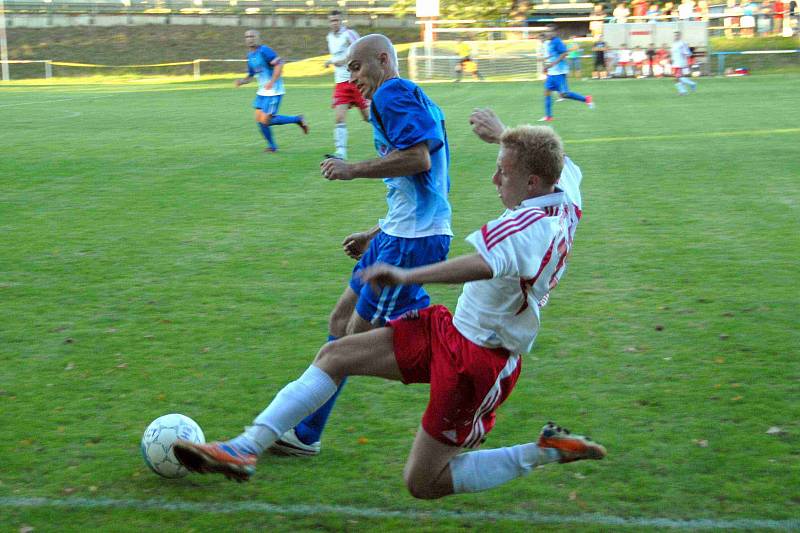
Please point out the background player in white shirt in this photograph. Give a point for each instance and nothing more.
(345, 93)
(681, 53)
(471, 360)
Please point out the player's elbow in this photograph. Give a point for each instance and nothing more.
(419, 158)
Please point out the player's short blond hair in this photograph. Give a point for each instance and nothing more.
(538, 150)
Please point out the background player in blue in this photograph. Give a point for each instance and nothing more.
(557, 69)
(411, 140)
(264, 65)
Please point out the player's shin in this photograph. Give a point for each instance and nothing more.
(486, 469)
(340, 140)
(296, 400)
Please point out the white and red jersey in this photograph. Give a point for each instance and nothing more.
(527, 250)
(680, 54)
(338, 43)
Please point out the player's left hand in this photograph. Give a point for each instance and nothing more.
(335, 169)
(381, 274)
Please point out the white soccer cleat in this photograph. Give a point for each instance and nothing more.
(292, 446)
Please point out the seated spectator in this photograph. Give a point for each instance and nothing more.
(662, 64)
(639, 9)
(624, 64)
(653, 13)
(638, 58)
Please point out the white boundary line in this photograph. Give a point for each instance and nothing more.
(42, 102)
(410, 514)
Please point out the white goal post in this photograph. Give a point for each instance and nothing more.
(501, 53)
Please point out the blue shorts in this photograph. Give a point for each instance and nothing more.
(268, 104)
(556, 82)
(392, 302)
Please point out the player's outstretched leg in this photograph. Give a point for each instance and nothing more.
(236, 459)
(266, 131)
(570, 446)
(484, 469)
(280, 120)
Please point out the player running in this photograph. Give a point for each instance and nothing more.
(264, 65)
(414, 160)
(680, 65)
(345, 93)
(557, 69)
(472, 359)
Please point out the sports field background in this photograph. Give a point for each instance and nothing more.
(154, 260)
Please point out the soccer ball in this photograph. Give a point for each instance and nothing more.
(158, 439)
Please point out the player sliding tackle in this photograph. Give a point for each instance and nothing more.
(471, 359)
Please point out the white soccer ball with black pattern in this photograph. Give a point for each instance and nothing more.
(158, 439)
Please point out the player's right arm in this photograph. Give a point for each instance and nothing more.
(462, 269)
(487, 125)
(356, 244)
(406, 162)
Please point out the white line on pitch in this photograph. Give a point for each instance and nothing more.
(410, 514)
(38, 102)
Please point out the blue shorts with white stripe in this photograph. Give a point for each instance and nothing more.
(392, 302)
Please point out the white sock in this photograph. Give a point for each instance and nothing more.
(484, 469)
(340, 140)
(292, 404)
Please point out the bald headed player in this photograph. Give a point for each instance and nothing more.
(264, 66)
(413, 160)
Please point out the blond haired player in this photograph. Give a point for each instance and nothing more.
(471, 359)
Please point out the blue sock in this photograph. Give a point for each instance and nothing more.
(280, 120)
(574, 96)
(267, 133)
(548, 106)
(310, 429)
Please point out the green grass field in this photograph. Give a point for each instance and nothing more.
(154, 260)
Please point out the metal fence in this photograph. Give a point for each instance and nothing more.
(198, 7)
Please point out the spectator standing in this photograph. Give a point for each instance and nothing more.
(686, 10)
(598, 19)
(621, 13)
(639, 8)
(733, 13)
(574, 58)
(600, 70)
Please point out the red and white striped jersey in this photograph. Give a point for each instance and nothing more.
(527, 250)
(338, 43)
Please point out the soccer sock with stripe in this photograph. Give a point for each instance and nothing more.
(310, 429)
(485, 469)
(280, 120)
(296, 400)
(267, 133)
(574, 96)
(340, 139)
(548, 106)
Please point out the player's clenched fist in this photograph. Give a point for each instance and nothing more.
(381, 274)
(335, 169)
(356, 244)
(486, 125)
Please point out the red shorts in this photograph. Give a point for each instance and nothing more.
(346, 93)
(468, 382)
(678, 71)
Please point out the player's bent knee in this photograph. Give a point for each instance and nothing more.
(332, 360)
(423, 490)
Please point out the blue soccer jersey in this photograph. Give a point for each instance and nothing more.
(259, 64)
(555, 48)
(403, 116)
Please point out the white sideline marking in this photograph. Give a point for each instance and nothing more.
(38, 102)
(737, 133)
(306, 510)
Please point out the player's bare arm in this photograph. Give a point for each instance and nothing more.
(243, 81)
(487, 125)
(455, 271)
(276, 73)
(354, 245)
(397, 163)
